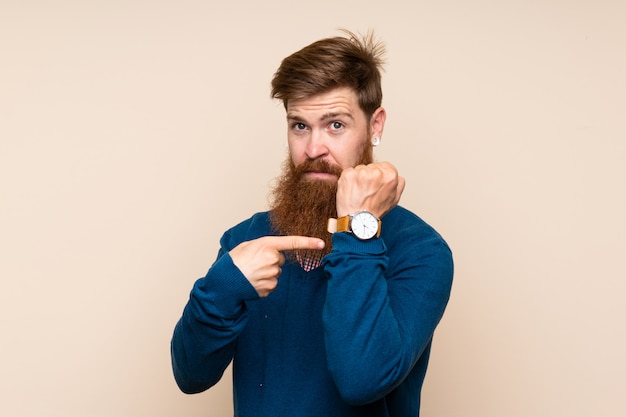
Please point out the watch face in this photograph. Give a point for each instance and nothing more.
(364, 225)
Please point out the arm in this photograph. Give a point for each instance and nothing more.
(385, 296)
(203, 342)
(215, 315)
(379, 315)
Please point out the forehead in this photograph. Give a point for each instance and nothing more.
(337, 101)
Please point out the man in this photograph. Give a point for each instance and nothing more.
(319, 323)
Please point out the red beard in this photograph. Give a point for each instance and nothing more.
(302, 206)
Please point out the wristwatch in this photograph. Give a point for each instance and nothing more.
(364, 225)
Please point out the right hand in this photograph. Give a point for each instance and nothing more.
(376, 187)
(260, 260)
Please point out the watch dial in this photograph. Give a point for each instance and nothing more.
(364, 225)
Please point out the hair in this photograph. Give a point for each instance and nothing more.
(353, 61)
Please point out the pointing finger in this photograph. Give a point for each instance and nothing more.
(295, 242)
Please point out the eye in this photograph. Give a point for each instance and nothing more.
(336, 125)
(299, 126)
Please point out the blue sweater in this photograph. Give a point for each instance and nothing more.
(350, 338)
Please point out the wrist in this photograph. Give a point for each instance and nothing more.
(362, 224)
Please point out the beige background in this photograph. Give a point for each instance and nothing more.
(133, 133)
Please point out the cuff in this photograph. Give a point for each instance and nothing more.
(347, 242)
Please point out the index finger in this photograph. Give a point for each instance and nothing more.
(295, 242)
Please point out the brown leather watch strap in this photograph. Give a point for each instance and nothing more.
(343, 224)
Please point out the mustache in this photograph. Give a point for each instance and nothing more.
(317, 165)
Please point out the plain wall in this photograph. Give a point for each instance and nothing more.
(133, 133)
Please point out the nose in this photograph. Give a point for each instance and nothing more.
(316, 146)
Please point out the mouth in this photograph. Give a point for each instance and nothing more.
(320, 175)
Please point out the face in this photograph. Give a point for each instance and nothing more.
(330, 127)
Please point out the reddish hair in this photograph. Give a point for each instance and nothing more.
(324, 65)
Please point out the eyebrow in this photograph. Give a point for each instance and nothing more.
(332, 115)
(325, 116)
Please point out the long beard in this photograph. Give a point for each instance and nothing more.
(302, 206)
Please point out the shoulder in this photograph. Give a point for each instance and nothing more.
(256, 226)
(258, 221)
(413, 244)
(402, 227)
(402, 221)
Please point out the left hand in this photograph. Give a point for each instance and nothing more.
(376, 188)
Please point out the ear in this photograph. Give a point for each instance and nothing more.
(377, 122)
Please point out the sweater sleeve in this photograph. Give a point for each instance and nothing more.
(382, 306)
(203, 342)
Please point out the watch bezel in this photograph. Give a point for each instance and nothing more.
(364, 213)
